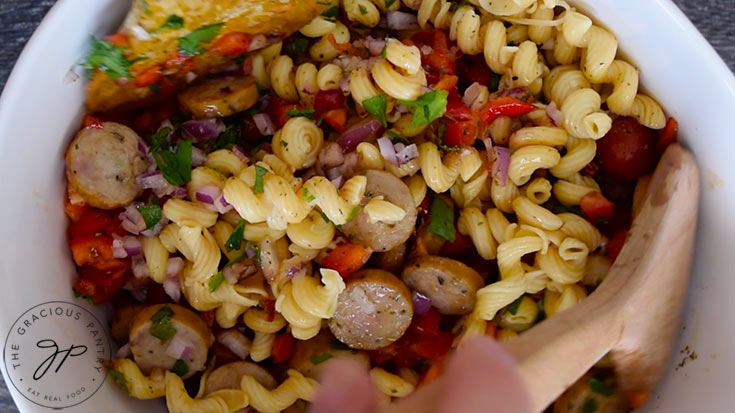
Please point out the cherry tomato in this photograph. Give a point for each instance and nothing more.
(327, 100)
(95, 251)
(277, 109)
(434, 347)
(616, 244)
(594, 205)
(283, 347)
(456, 108)
(250, 131)
(474, 69)
(336, 118)
(347, 258)
(629, 150)
(460, 244)
(74, 212)
(92, 221)
(232, 44)
(427, 324)
(447, 83)
(459, 133)
(101, 285)
(669, 134)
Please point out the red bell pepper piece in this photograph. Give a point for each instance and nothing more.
(460, 244)
(95, 251)
(269, 305)
(504, 106)
(232, 44)
(277, 109)
(336, 118)
(149, 76)
(616, 244)
(101, 285)
(347, 258)
(92, 221)
(669, 134)
(327, 100)
(283, 347)
(594, 205)
(117, 39)
(459, 133)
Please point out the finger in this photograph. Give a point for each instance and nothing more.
(483, 377)
(345, 386)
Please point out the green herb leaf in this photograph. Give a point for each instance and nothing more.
(494, 82)
(296, 112)
(429, 107)
(362, 9)
(119, 379)
(331, 14)
(161, 328)
(325, 218)
(441, 219)
(159, 139)
(108, 58)
(559, 209)
(455, 6)
(308, 196)
(389, 3)
(175, 167)
(353, 213)
(259, 174)
(77, 294)
(284, 143)
(599, 386)
(191, 44)
(321, 358)
(256, 249)
(298, 45)
(397, 138)
(377, 106)
(590, 405)
(513, 307)
(173, 22)
(180, 368)
(151, 214)
(235, 240)
(215, 281)
(384, 51)
(338, 345)
(227, 139)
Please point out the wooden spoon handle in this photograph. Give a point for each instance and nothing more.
(636, 308)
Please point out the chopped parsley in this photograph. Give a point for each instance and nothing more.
(396, 137)
(296, 112)
(259, 174)
(151, 214)
(235, 240)
(331, 14)
(298, 45)
(441, 219)
(244, 254)
(161, 328)
(227, 139)
(384, 51)
(119, 379)
(77, 294)
(377, 106)
(389, 3)
(284, 143)
(173, 22)
(362, 9)
(559, 209)
(308, 196)
(325, 218)
(159, 139)
(215, 281)
(321, 358)
(180, 368)
(175, 167)
(590, 405)
(191, 44)
(108, 58)
(599, 386)
(353, 213)
(455, 6)
(513, 307)
(429, 106)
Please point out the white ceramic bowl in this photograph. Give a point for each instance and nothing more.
(40, 110)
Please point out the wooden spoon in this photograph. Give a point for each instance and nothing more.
(634, 314)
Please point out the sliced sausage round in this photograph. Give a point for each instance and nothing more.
(102, 164)
(163, 333)
(373, 311)
(383, 236)
(222, 96)
(392, 260)
(451, 285)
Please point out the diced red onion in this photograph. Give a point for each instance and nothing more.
(516, 92)
(250, 252)
(375, 45)
(421, 303)
(190, 77)
(501, 161)
(240, 153)
(132, 246)
(426, 50)
(207, 194)
(236, 342)
(70, 77)
(140, 294)
(174, 266)
(471, 94)
(140, 268)
(358, 133)
(337, 182)
(387, 150)
(264, 124)
(258, 42)
(172, 287)
(294, 270)
(333, 173)
(122, 81)
(124, 352)
(197, 156)
(221, 204)
(247, 66)
(117, 249)
(407, 154)
(553, 112)
(131, 220)
(344, 86)
(155, 181)
(398, 20)
(399, 146)
(200, 130)
(238, 271)
(179, 192)
(179, 347)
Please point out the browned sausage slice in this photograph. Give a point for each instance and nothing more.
(382, 236)
(451, 285)
(102, 164)
(219, 97)
(373, 311)
(185, 336)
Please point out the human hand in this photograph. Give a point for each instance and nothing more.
(480, 378)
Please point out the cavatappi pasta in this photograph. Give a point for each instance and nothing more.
(388, 163)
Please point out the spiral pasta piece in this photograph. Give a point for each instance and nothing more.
(220, 401)
(298, 142)
(295, 387)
